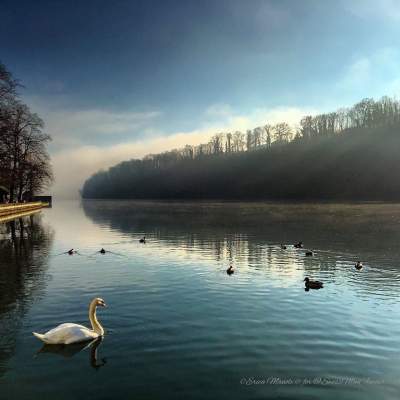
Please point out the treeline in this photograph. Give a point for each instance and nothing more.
(342, 154)
(24, 161)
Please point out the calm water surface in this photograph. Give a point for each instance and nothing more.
(178, 326)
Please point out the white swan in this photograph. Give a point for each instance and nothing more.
(73, 333)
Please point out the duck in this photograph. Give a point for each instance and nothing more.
(283, 247)
(70, 252)
(102, 251)
(298, 245)
(313, 284)
(358, 265)
(230, 270)
(143, 239)
(309, 253)
(69, 333)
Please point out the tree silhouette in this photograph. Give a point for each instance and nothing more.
(24, 161)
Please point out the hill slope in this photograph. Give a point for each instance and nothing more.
(355, 163)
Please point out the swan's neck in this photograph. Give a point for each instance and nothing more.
(96, 326)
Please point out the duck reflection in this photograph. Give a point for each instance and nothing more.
(69, 350)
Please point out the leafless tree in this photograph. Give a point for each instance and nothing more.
(8, 85)
(238, 141)
(283, 132)
(228, 142)
(257, 136)
(24, 161)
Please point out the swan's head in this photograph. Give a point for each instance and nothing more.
(100, 302)
(306, 279)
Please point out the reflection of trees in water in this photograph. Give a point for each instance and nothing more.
(218, 231)
(369, 228)
(251, 233)
(24, 249)
(230, 231)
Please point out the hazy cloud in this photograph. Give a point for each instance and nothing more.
(373, 74)
(219, 110)
(357, 74)
(388, 9)
(73, 127)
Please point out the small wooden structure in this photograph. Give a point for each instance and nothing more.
(44, 199)
(18, 208)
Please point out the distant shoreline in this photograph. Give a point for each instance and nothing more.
(237, 201)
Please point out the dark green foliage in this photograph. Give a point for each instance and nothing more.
(349, 154)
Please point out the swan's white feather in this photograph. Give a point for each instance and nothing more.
(67, 333)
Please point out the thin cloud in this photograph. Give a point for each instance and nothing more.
(374, 74)
(219, 110)
(72, 127)
(357, 74)
(372, 9)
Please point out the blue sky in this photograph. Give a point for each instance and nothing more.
(115, 80)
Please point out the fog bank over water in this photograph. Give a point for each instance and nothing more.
(75, 161)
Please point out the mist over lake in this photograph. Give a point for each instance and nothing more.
(176, 323)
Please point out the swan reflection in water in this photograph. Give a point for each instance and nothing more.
(69, 350)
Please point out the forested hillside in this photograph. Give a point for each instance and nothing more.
(349, 154)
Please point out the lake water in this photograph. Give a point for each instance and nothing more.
(177, 326)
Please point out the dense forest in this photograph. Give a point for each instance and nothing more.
(352, 153)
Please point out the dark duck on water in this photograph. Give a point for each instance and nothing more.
(313, 284)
